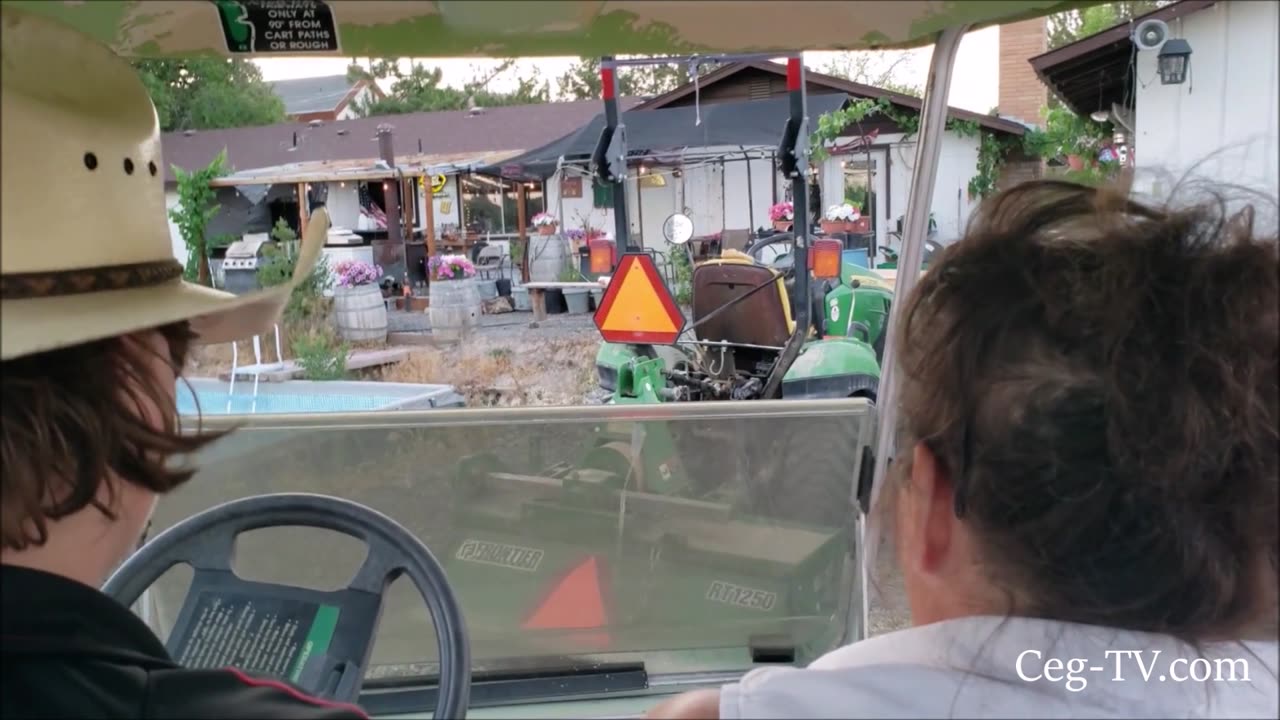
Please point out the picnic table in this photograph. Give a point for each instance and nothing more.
(538, 295)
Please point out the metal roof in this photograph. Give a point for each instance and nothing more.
(515, 127)
(312, 94)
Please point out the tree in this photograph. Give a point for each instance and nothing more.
(859, 67)
(419, 89)
(1071, 25)
(582, 80)
(197, 205)
(209, 93)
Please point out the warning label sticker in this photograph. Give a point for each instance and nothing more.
(278, 26)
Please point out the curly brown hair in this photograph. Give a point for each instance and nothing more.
(72, 418)
(1098, 379)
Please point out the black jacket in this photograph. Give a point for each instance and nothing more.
(71, 652)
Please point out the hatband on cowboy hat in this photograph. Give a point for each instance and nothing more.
(85, 250)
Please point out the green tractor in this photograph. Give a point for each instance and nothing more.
(752, 337)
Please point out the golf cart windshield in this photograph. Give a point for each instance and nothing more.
(594, 550)
(571, 560)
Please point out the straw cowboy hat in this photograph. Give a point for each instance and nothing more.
(85, 238)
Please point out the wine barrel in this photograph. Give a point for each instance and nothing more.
(547, 257)
(360, 313)
(455, 309)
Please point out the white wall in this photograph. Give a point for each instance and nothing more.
(713, 210)
(349, 112)
(1224, 116)
(957, 164)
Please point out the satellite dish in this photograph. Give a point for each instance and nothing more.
(1150, 34)
(678, 229)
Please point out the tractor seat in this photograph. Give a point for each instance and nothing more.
(762, 319)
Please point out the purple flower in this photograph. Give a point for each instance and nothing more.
(352, 273)
(451, 267)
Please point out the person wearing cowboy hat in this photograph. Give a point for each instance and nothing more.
(95, 324)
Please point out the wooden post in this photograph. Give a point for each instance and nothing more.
(302, 209)
(429, 194)
(522, 197)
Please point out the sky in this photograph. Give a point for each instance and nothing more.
(972, 86)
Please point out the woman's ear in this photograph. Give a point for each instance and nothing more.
(932, 506)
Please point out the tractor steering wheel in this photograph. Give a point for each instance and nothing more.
(347, 619)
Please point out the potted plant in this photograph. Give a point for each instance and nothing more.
(455, 300)
(545, 223)
(782, 214)
(358, 305)
(842, 218)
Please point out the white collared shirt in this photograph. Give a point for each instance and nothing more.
(981, 667)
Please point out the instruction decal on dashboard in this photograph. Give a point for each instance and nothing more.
(278, 26)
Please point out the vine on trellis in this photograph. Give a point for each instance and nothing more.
(991, 149)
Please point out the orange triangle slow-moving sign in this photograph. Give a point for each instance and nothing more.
(637, 308)
(575, 603)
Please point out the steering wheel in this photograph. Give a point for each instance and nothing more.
(328, 634)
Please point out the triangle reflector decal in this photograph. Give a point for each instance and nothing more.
(637, 308)
(575, 603)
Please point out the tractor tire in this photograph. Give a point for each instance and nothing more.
(805, 483)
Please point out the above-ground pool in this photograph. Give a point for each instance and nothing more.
(306, 396)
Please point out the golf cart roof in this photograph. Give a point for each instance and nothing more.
(508, 28)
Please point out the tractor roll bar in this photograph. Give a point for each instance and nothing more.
(610, 156)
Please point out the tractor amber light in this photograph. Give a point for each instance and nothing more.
(825, 258)
(601, 256)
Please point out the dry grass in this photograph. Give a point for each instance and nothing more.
(497, 372)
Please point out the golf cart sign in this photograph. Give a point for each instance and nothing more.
(278, 26)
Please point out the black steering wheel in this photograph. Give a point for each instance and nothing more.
(322, 639)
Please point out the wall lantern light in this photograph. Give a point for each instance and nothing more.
(1173, 61)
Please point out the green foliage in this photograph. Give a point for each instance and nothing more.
(419, 89)
(582, 80)
(683, 266)
(991, 153)
(991, 150)
(321, 356)
(1069, 26)
(197, 204)
(568, 273)
(1066, 134)
(208, 93)
(307, 303)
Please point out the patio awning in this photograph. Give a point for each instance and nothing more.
(750, 124)
(363, 170)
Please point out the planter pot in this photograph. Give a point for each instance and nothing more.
(488, 289)
(418, 303)
(596, 296)
(546, 229)
(548, 255)
(504, 286)
(782, 225)
(520, 296)
(1075, 162)
(576, 300)
(555, 302)
(361, 313)
(455, 309)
